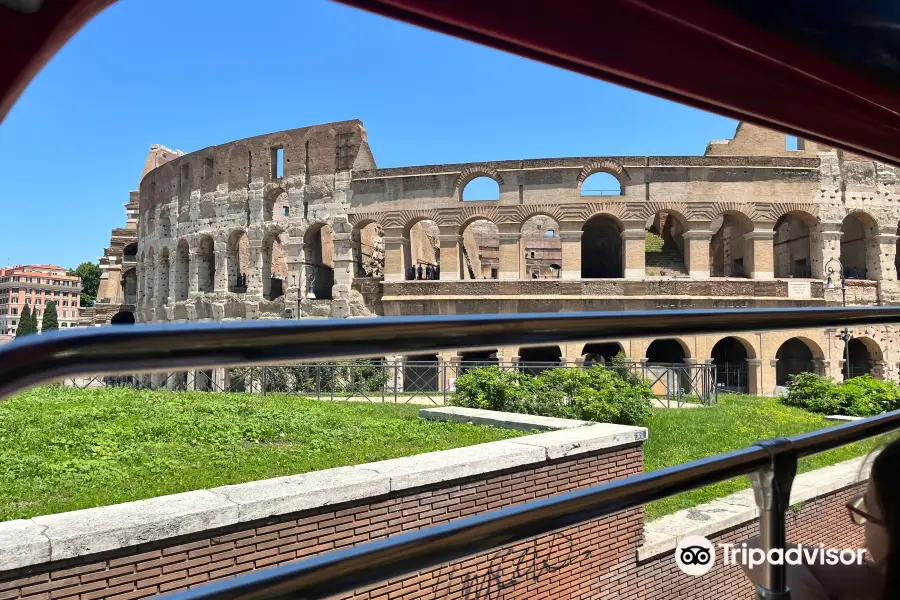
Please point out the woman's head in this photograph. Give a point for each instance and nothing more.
(883, 504)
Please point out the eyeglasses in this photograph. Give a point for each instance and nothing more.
(859, 513)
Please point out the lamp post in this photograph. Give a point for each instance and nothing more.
(830, 273)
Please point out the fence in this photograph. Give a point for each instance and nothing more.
(403, 381)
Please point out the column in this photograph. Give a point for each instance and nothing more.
(770, 377)
(754, 376)
(824, 245)
(221, 258)
(571, 250)
(194, 274)
(884, 268)
(696, 252)
(634, 247)
(255, 268)
(294, 250)
(451, 254)
(396, 249)
(343, 265)
(759, 254)
(511, 251)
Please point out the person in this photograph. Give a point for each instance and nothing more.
(878, 510)
(419, 270)
(428, 272)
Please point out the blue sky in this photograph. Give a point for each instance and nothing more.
(189, 74)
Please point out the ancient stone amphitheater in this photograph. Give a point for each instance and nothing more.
(302, 224)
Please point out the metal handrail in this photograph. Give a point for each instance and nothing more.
(344, 570)
(772, 464)
(123, 350)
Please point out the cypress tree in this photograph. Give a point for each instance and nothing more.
(49, 321)
(24, 327)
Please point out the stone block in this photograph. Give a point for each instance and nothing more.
(505, 420)
(22, 543)
(581, 440)
(436, 467)
(261, 499)
(93, 530)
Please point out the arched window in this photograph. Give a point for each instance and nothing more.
(481, 188)
(728, 251)
(319, 268)
(794, 357)
(537, 359)
(541, 248)
(729, 355)
(480, 250)
(123, 317)
(275, 268)
(664, 247)
(601, 248)
(237, 260)
(791, 246)
(858, 246)
(666, 351)
(423, 250)
(206, 265)
(601, 352)
(601, 184)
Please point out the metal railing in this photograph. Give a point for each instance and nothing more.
(403, 381)
(772, 464)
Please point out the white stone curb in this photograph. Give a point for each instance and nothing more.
(56, 537)
(663, 534)
(495, 418)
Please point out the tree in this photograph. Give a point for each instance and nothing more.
(26, 324)
(90, 281)
(50, 322)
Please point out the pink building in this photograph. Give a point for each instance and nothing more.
(36, 285)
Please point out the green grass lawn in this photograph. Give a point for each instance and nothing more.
(63, 449)
(678, 436)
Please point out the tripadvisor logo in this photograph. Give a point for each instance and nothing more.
(695, 555)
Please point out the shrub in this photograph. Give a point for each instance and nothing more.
(593, 394)
(858, 397)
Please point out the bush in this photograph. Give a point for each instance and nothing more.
(857, 397)
(609, 395)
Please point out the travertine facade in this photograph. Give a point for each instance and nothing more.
(297, 223)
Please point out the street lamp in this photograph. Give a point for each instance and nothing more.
(829, 285)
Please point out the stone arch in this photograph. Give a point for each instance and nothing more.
(600, 352)
(865, 355)
(728, 250)
(791, 244)
(318, 251)
(275, 201)
(162, 286)
(540, 247)
(473, 172)
(794, 356)
(534, 360)
(206, 264)
(667, 351)
(165, 223)
(423, 248)
(237, 261)
(129, 286)
(274, 267)
(480, 249)
(129, 252)
(729, 356)
(367, 237)
(182, 270)
(601, 248)
(859, 245)
(123, 317)
(664, 246)
(603, 166)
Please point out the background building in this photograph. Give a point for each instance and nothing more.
(36, 285)
(301, 223)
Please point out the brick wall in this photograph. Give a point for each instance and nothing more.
(597, 559)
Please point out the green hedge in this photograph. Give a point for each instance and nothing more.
(607, 395)
(857, 397)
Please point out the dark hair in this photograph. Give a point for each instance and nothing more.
(886, 475)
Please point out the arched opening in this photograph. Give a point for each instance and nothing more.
(165, 224)
(423, 251)
(275, 267)
(473, 359)
(129, 286)
(860, 359)
(601, 248)
(729, 355)
(276, 205)
(123, 317)
(727, 246)
(857, 233)
(601, 184)
(206, 265)
(664, 247)
(541, 248)
(182, 271)
(791, 245)
(318, 252)
(598, 352)
(794, 357)
(480, 250)
(666, 352)
(420, 373)
(481, 188)
(237, 259)
(368, 250)
(129, 252)
(537, 359)
(162, 287)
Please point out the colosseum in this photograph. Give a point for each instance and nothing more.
(302, 224)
